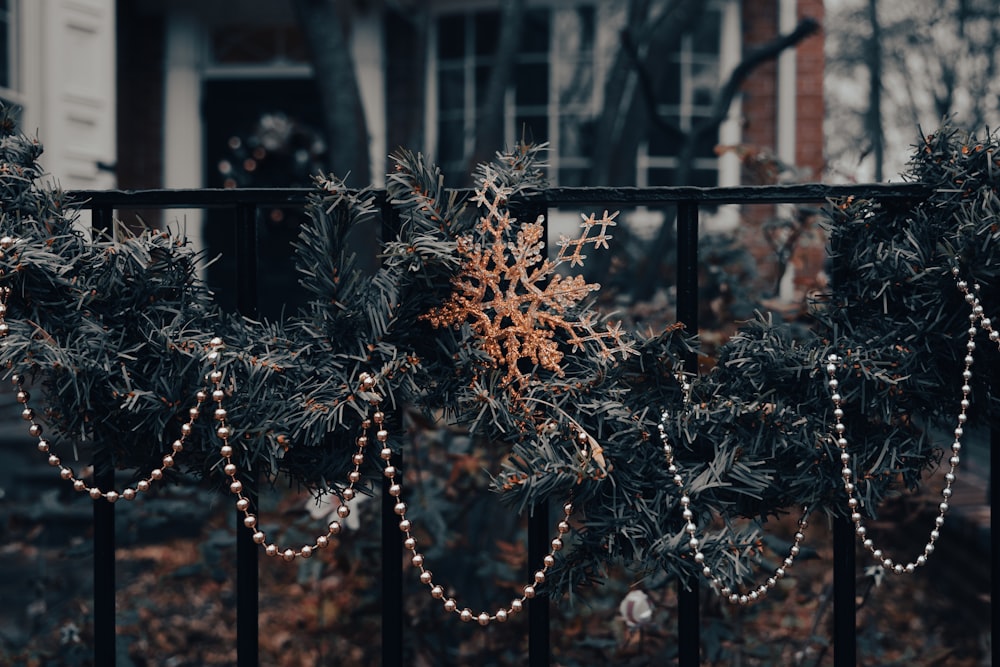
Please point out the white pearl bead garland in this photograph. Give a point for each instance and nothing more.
(44, 446)
(334, 528)
(854, 505)
(395, 490)
(726, 592)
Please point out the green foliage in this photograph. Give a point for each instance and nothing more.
(115, 331)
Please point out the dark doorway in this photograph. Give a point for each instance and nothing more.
(260, 133)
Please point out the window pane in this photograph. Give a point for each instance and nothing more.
(533, 129)
(532, 84)
(573, 177)
(576, 136)
(662, 142)
(574, 31)
(482, 84)
(4, 53)
(707, 36)
(705, 82)
(704, 178)
(451, 37)
(661, 176)
(670, 82)
(451, 141)
(487, 33)
(535, 32)
(451, 90)
(576, 82)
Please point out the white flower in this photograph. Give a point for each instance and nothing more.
(636, 609)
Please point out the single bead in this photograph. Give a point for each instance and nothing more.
(243, 504)
(271, 550)
(259, 537)
(250, 521)
(156, 473)
(43, 446)
(529, 591)
(142, 485)
(348, 494)
(128, 494)
(426, 577)
(289, 555)
(405, 525)
(466, 615)
(236, 486)
(516, 606)
(229, 469)
(410, 543)
(168, 461)
(322, 541)
(343, 511)
(177, 446)
(400, 509)
(501, 615)
(395, 490)
(417, 560)
(539, 577)
(95, 493)
(334, 528)
(557, 544)
(450, 605)
(549, 560)
(53, 460)
(484, 619)
(226, 451)
(437, 592)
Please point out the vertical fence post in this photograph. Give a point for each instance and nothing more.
(104, 528)
(844, 594)
(392, 542)
(247, 582)
(688, 621)
(993, 412)
(844, 561)
(539, 633)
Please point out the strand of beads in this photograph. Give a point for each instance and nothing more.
(243, 504)
(438, 592)
(949, 477)
(977, 316)
(65, 472)
(725, 591)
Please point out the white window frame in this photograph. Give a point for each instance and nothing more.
(726, 166)
(551, 110)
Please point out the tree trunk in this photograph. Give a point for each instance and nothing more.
(875, 90)
(323, 23)
(489, 132)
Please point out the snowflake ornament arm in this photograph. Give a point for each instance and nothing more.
(513, 298)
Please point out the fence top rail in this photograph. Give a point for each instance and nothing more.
(652, 196)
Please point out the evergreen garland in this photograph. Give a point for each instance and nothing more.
(114, 331)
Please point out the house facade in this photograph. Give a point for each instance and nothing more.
(57, 68)
(190, 93)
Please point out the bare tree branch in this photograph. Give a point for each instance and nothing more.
(343, 116)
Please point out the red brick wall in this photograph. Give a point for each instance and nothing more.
(760, 119)
(759, 102)
(810, 106)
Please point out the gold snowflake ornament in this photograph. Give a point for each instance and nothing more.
(514, 299)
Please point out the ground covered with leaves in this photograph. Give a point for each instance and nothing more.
(177, 603)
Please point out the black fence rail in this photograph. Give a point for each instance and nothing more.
(244, 206)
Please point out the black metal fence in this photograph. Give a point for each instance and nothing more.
(244, 205)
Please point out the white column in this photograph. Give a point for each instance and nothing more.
(368, 54)
(183, 132)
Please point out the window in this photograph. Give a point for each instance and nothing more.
(552, 97)
(691, 78)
